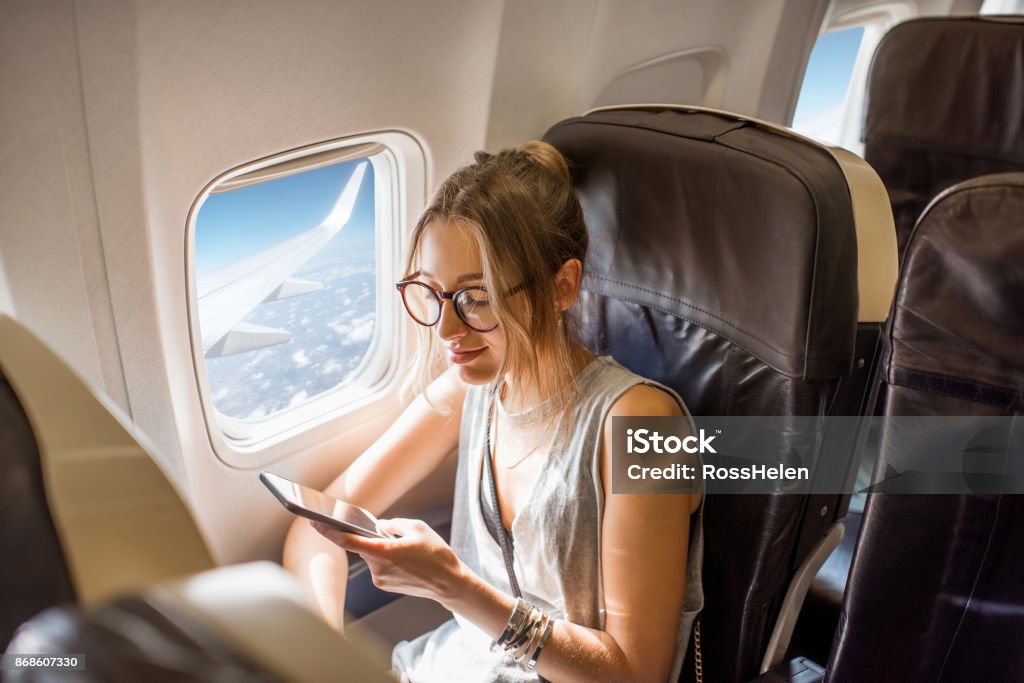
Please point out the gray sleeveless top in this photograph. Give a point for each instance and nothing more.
(557, 537)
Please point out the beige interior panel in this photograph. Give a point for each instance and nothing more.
(877, 259)
(300, 165)
(121, 523)
(50, 252)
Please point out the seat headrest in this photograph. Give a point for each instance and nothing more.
(743, 229)
(954, 84)
(957, 321)
(944, 105)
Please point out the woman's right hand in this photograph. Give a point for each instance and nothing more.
(414, 561)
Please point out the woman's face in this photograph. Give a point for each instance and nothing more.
(450, 260)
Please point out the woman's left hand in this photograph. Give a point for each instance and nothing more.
(416, 562)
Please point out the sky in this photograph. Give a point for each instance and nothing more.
(235, 224)
(828, 72)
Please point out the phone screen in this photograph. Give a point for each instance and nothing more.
(313, 504)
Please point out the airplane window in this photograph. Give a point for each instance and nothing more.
(822, 103)
(285, 285)
(1002, 7)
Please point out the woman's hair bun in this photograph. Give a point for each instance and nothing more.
(544, 154)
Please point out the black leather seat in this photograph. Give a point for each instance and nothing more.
(248, 623)
(723, 263)
(943, 106)
(935, 590)
(39, 577)
(131, 638)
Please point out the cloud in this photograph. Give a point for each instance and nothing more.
(331, 329)
(360, 332)
(332, 366)
(257, 413)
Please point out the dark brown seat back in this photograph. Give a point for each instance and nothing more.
(944, 104)
(935, 590)
(34, 575)
(723, 263)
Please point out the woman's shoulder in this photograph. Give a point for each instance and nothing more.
(646, 399)
(629, 393)
(642, 398)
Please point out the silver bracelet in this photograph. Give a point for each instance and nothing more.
(526, 632)
(516, 621)
(532, 664)
(531, 646)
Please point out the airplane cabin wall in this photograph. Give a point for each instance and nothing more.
(732, 54)
(117, 114)
(54, 264)
(742, 56)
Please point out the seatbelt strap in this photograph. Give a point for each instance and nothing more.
(493, 510)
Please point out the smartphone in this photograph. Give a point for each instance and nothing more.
(312, 504)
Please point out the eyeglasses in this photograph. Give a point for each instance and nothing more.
(472, 304)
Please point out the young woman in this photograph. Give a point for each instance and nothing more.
(609, 584)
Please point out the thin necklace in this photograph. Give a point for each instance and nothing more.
(507, 466)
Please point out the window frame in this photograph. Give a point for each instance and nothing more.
(876, 20)
(250, 445)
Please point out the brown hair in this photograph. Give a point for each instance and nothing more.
(520, 206)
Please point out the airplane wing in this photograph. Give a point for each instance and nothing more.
(823, 126)
(227, 294)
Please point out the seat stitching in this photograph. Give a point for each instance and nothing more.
(682, 302)
(703, 327)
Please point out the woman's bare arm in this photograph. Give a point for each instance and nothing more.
(644, 543)
(401, 458)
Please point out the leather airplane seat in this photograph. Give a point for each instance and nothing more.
(934, 591)
(724, 263)
(35, 575)
(130, 638)
(245, 624)
(943, 106)
(87, 512)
